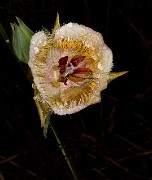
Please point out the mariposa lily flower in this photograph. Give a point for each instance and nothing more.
(70, 67)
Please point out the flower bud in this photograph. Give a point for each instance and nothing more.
(21, 36)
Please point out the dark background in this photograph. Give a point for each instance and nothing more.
(111, 140)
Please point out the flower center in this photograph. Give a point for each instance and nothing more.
(73, 70)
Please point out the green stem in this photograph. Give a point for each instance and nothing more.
(64, 153)
(6, 38)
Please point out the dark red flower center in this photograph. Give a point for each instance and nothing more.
(71, 71)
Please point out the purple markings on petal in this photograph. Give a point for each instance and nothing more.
(82, 71)
(62, 64)
(63, 79)
(76, 60)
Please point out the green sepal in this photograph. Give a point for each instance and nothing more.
(46, 124)
(57, 24)
(114, 75)
(21, 37)
(44, 110)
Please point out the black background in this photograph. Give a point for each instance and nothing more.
(111, 140)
